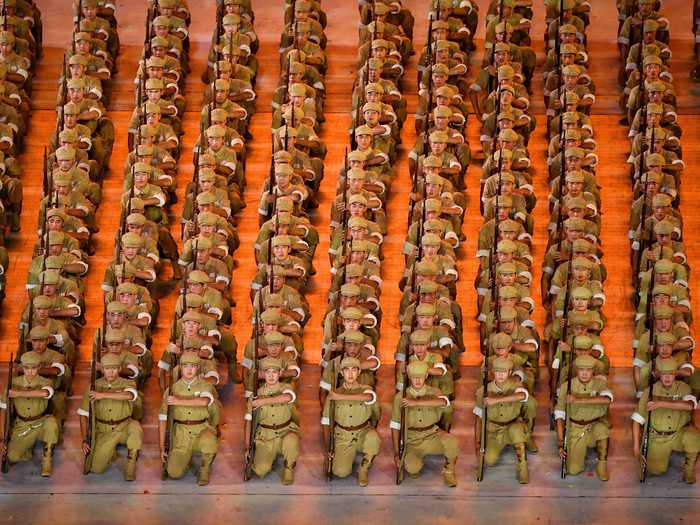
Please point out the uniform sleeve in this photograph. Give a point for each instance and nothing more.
(479, 403)
(395, 423)
(325, 415)
(163, 414)
(84, 409)
(639, 415)
(560, 408)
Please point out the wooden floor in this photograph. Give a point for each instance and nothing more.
(341, 32)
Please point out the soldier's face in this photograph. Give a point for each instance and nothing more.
(111, 372)
(584, 374)
(191, 328)
(115, 319)
(41, 313)
(580, 303)
(114, 347)
(351, 324)
(667, 379)
(417, 382)
(500, 376)
(30, 372)
(663, 325)
(350, 374)
(272, 376)
(274, 350)
(189, 370)
(55, 249)
(665, 350)
(39, 345)
(502, 351)
(425, 321)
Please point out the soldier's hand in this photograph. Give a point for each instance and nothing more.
(332, 396)
(86, 448)
(163, 456)
(652, 405)
(172, 400)
(570, 398)
(405, 403)
(397, 460)
(2, 447)
(562, 453)
(564, 347)
(489, 401)
(94, 396)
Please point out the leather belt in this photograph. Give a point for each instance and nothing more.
(421, 429)
(355, 428)
(112, 421)
(506, 423)
(584, 423)
(31, 418)
(190, 421)
(276, 427)
(660, 433)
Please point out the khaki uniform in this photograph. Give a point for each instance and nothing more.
(671, 430)
(423, 437)
(277, 431)
(113, 424)
(588, 424)
(192, 431)
(353, 429)
(32, 422)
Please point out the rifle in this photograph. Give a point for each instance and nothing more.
(90, 436)
(330, 448)
(481, 460)
(644, 449)
(403, 434)
(250, 453)
(170, 420)
(8, 416)
(564, 331)
(429, 67)
(643, 236)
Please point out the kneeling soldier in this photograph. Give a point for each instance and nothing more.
(189, 399)
(276, 423)
(671, 405)
(113, 403)
(587, 407)
(424, 407)
(351, 412)
(30, 395)
(503, 401)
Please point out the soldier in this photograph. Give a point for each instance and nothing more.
(422, 407)
(30, 394)
(272, 414)
(112, 402)
(502, 400)
(582, 415)
(351, 413)
(191, 430)
(667, 406)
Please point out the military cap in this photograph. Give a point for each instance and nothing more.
(42, 301)
(281, 240)
(200, 244)
(191, 358)
(71, 108)
(582, 245)
(585, 361)
(427, 287)
(508, 225)
(425, 309)
(198, 276)
(501, 364)
(154, 83)
(504, 201)
(574, 152)
(442, 112)
(127, 288)
(284, 169)
(115, 307)
(508, 313)
(573, 203)
(507, 292)
(501, 340)
(581, 263)
(572, 134)
(39, 332)
(504, 27)
(578, 318)
(567, 29)
(352, 313)
(430, 239)
(56, 238)
(575, 224)
(441, 69)
(159, 41)
(570, 117)
(502, 47)
(506, 72)
(440, 24)
(274, 338)
(207, 175)
(30, 359)
(136, 219)
(67, 135)
(506, 267)
(445, 91)
(656, 86)
(663, 312)
(417, 369)
(652, 59)
(431, 161)
(216, 131)
(663, 266)
(359, 246)
(650, 25)
(666, 366)
(357, 198)
(131, 240)
(582, 342)
(662, 289)
(363, 130)
(194, 301)
(115, 336)
(665, 338)
(206, 197)
(155, 62)
(49, 277)
(353, 337)
(161, 21)
(297, 90)
(357, 155)
(508, 135)
(191, 316)
(426, 268)
(375, 63)
(420, 337)
(661, 200)
(110, 360)
(350, 290)
(357, 222)
(152, 108)
(207, 219)
(581, 292)
(349, 362)
(433, 204)
(231, 19)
